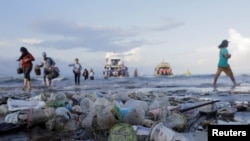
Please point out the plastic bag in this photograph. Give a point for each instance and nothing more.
(134, 118)
(54, 73)
(16, 104)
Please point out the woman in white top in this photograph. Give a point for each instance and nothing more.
(77, 67)
(91, 74)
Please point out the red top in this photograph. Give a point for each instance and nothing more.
(27, 60)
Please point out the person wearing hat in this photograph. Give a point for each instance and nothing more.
(77, 67)
(223, 65)
(26, 59)
(48, 63)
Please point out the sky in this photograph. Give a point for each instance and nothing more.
(184, 33)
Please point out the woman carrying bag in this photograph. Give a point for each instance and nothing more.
(26, 59)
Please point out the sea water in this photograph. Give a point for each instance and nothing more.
(198, 82)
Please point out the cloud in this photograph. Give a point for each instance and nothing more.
(240, 50)
(30, 41)
(134, 55)
(92, 37)
(241, 44)
(168, 24)
(65, 34)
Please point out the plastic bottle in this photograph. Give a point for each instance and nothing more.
(56, 103)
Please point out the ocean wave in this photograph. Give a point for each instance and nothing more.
(20, 79)
(61, 78)
(202, 81)
(244, 75)
(10, 79)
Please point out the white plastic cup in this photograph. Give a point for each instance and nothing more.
(161, 133)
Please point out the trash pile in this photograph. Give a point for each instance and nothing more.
(136, 116)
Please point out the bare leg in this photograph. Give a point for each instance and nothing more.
(215, 79)
(49, 83)
(29, 85)
(24, 83)
(44, 80)
(233, 79)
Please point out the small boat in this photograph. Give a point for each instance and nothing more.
(163, 68)
(188, 73)
(114, 66)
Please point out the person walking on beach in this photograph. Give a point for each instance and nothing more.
(106, 72)
(77, 67)
(135, 73)
(223, 65)
(26, 59)
(48, 65)
(85, 74)
(91, 74)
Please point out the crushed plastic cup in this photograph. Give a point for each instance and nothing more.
(60, 96)
(102, 101)
(136, 104)
(86, 105)
(161, 133)
(40, 97)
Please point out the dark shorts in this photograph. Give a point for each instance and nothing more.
(26, 71)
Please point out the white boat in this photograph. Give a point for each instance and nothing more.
(114, 66)
(163, 68)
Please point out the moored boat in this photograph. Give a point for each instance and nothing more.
(115, 67)
(163, 68)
